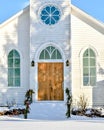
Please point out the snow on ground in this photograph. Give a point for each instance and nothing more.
(50, 116)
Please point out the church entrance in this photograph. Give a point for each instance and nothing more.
(50, 75)
(50, 81)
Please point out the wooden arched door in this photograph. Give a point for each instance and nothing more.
(50, 81)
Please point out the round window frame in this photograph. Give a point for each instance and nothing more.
(40, 10)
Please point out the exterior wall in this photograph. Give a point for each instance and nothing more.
(29, 36)
(83, 36)
(43, 35)
(14, 34)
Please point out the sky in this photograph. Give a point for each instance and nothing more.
(95, 8)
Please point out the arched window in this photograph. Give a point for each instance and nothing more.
(89, 68)
(13, 68)
(50, 53)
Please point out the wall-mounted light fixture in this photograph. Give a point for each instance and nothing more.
(67, 63)
(32, 63)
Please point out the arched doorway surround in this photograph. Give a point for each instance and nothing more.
(50, 74)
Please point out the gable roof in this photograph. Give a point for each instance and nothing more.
(74, 11)
(14, 16)
(87, 19)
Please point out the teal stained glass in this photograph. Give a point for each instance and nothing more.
(50, 52)
(50, 15)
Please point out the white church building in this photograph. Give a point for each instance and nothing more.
(49, 46)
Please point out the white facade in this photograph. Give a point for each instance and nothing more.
(42, 36)
(14, 35)
(74, 32)
(86, 33)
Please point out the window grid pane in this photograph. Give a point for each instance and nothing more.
(54, 55)
(10, 62)
(17, 62)
(50, 53)
(13, 68)
(58, 55)
(86, 81)
(85, 71)
(46, 55)
(89, 68)
(92, 61)
(92, 81)
(92, 71)
(85, 61)
(10, 81)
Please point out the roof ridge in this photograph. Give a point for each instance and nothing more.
(14, 16)
(87, 18)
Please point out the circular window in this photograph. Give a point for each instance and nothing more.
(50, 15)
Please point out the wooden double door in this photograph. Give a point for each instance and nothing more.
(50, 81)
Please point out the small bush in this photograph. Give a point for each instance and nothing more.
(83, 102)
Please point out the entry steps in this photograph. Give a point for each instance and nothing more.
(47, 111)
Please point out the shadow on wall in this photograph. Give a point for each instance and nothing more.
(101, 71)
(98, 91)
(17, 36)
(7, 45)
(11, 38)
